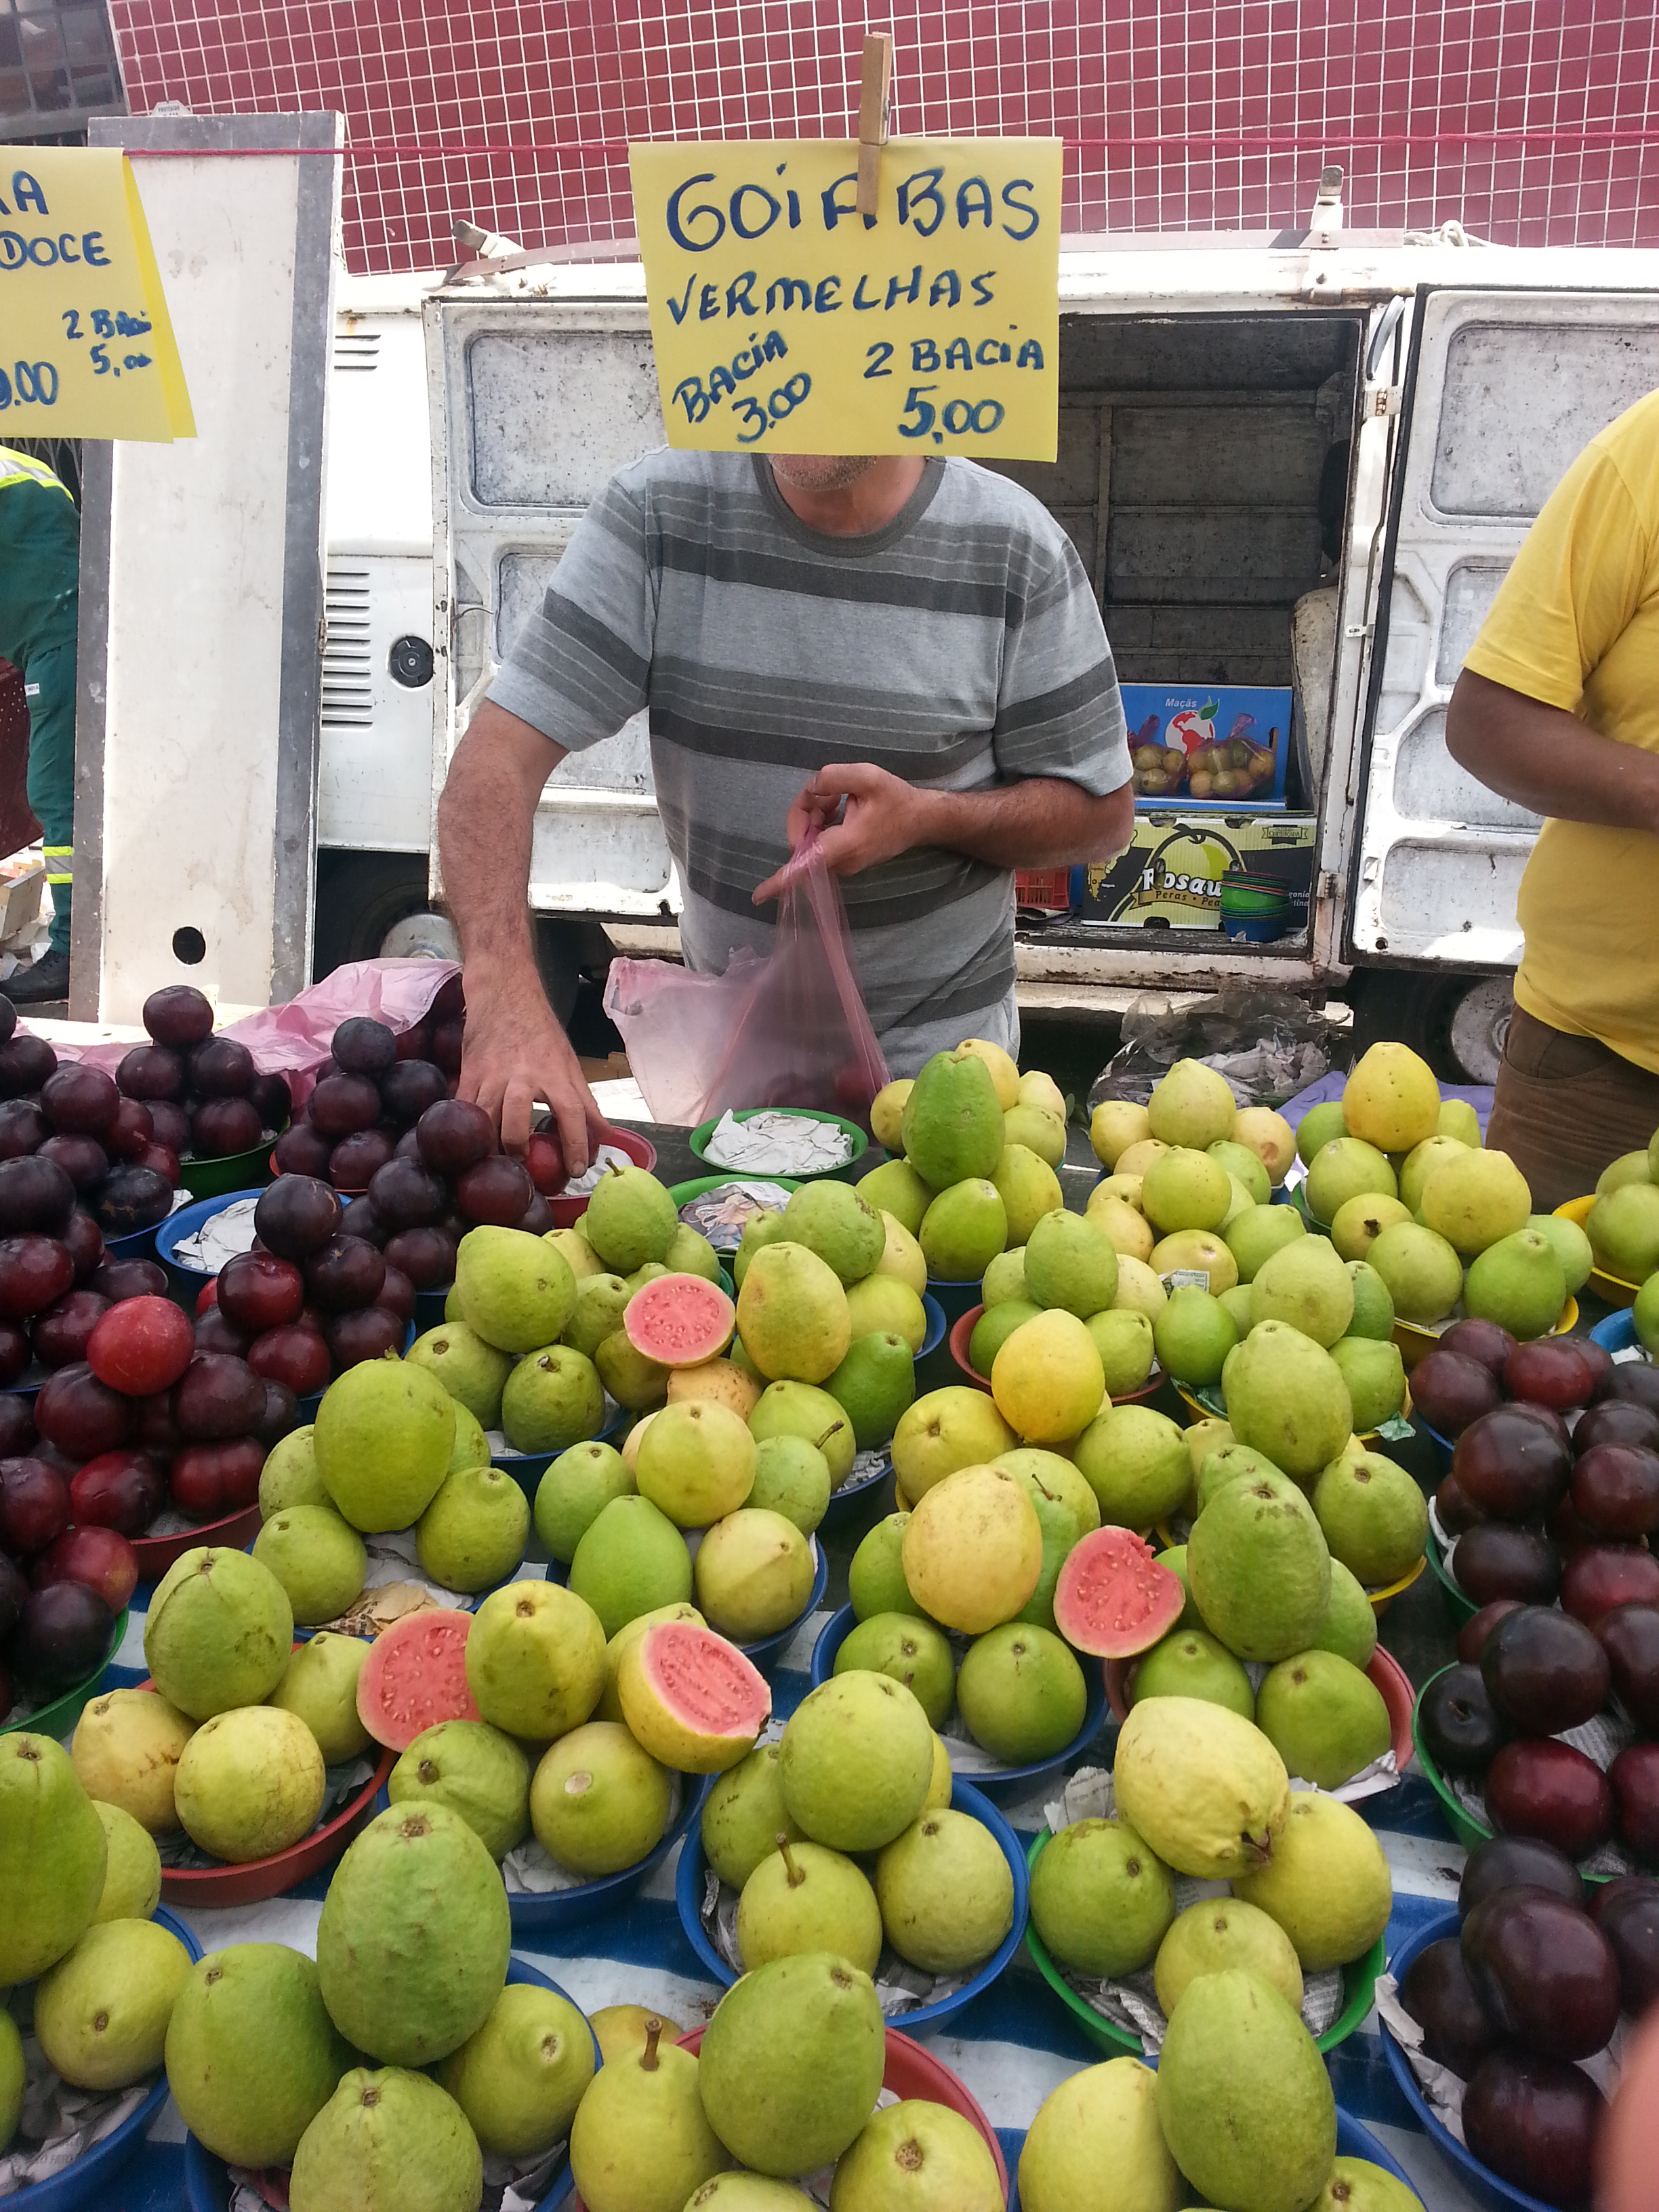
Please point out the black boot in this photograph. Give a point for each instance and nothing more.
(45, 982)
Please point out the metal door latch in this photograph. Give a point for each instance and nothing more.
(1382, 400)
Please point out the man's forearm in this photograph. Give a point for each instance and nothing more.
(1040, 823)
(486, 818)
(1546, 760)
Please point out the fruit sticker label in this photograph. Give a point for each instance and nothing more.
(89, 350)
(785, 321)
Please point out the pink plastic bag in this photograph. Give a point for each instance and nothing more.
(789, 1030)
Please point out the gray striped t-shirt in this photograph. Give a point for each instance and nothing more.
(960, 647)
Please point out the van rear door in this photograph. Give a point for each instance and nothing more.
(534, 405)
(1502, 389)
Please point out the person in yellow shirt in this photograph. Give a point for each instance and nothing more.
(1557, 708)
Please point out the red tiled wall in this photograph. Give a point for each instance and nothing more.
(1527, 128)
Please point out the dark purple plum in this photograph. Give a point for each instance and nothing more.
(368, 1334)
(346, 1275)
(537, 1218)
(15, 1356)
(169, 1126)
(34, 1274)
(1450, 1392)
(361, 1220)
(1627, 1913)
(84, 1240)
(178, 1014)
(222, 1068)
(1461, 1728)
(398, 1294)
(450, 1005)
(1634, 1776)
(82, 1159)
(122, 1490)
(343, 1104)
(14, 1590)
(1629, 1634)
(219, 1396)
(455, 1135)
(415, 1042)
(25, 1064)
(297, 1214)
(60, 1334)
(426, 1256)
(36, 1193)
(23, 1128)
(282, 1413)
(294, 1356)
(1533, 2121)
(1540, 1787)
(1452, 1509)
(80, 1101)
(1615, 1490)
(61, 1640)
(446, 1039)
(1472, 1635)
(408, 1089)
(1596, 1580)
(1483, 1341)
(129, 1279)
(302, 1150)
(1544, 1974)
(1616, 1421)
(1511, 1466)
(34, 1505)
(1561, 1371)
(1439, 1994)
(220, 1126)
(214, 1332)
(355, 1160)
(497, 1190)
(1632, 1382)
(406, 1195)
(257, 1292)
(133, 1127)
(152, 1073)
(81, 1415)
(1517, 1862)
(408, 1146)
(1545, 1670)
(17, 1430)
(362, 1046)
(136, 1196)
(1492, 1560)
(273, 1100)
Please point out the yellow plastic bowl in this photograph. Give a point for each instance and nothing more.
(1614, 1288)
(1416, 1343)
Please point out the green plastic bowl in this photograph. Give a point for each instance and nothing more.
(1460, 1605)
(845, 1173)
(1359, 1986)
(699, 1186)
(58, 1718)
(248, 1170)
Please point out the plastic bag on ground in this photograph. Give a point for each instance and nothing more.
(786, 1030)
(1269, 1044)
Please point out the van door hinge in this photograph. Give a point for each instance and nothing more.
(1358, 629)
(1382, 400)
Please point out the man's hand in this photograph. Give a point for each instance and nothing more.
(884, 817)
(513, 1055)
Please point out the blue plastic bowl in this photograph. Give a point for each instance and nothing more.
(207, 2181)
(140, 1244)
(1443, 1447)
(964, 1798)
(89, 2181)
(1481, 2183)
(1617, 1333)
(527, 1468)
(953, 1299)
(1352, 2141)
(766, 1654)
(854, 1499)
(185, 1223)
(561, 1909)
(1006, 1783)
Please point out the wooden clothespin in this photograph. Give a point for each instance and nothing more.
(875, 116)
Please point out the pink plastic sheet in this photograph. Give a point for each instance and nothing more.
(787, 1030)
(294, 1040)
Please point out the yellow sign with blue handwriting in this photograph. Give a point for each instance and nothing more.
(86, 347)
(784, 321)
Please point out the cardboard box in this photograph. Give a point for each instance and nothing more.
(1170, 876)
(1219, 747)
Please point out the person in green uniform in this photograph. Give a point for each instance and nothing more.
(39, 599)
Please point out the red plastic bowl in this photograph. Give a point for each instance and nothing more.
(1382, 1669)
(963, 1328)
(258, 1878)
(157, 1554)
(567, 1211)
(912, 2071)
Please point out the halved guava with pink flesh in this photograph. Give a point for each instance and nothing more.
(690, 1698)
(1113, 1599)
(415, 1676)
(679, 1321)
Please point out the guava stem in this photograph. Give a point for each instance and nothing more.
(828, 1433)
(797, 1875)
(649, 2058)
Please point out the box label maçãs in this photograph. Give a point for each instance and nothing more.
(1224, 746)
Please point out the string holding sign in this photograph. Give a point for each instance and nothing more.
(784, 320)
(88, 350)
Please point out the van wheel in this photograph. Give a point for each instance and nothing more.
(1456, 1022)
(361, 897)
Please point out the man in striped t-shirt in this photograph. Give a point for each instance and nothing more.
(916, 640)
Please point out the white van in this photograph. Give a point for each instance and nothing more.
(1301, 465)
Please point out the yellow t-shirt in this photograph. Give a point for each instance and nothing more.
(1576, 623)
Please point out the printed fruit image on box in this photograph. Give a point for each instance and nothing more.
(1170, 876)
(1225, 747)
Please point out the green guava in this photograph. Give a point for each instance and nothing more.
(1307, 1285)
(1374, 1515)
(250, 1784)
(1285, 1396)
(101, 2014)
(973, 1551)
(803, 1898)
(473, 1370)
(945, 1892)
(1373, 1306)
(520, 2078)
(1349, 1627)
(412, 1944)
(1357, 2185)
(802, 1409)
(963, 1230)
(1029, 1189)
(1217, 1935)
(1203, 1785)
(1254, 1238)
(1021, 1693)
(1375, 1376)
(318, 1558)
(1327, 1884)
(575, 1489)
(912, 1651)
(884, 1305)
(1232, 1463)
(251, 2054)
(875, 1385)
(125, 1750)
(917, 2154)
(1423, 1272)
(289, 1475)
(1184, 1188)
(993, 1328)
(1570, 1247)
(473, 1533)
(1316, 1129)
(1244, 1166)
(1071, 1264)
(631, 1560)
(792, 1477)
(610, 1705)
(535, 1660)
(839, 1223)
(857, 1757)
(640, 2137)
(690, 1253)
(320, 1686)
(1134, 1460)
(553, 1399)
(1101, 1898)
(1473, 1198)
(895, 1187)
(697, 1462)
(792, 2062)
(744, 1815)
(875, 1579)
(132, 1870)
(760, 1230)
(632, 1380)
(387, 2141)
(1191, 1104)
(471, 1446)
(1345, 1168)
(951, 1128)
(13, 2078)
(792, 1314)
(1325, 1720)
(385, 1433)
(601, 1301)
(1128, 1349)
(1005, 1278)
(1259, 1567)
(1623, 1229)
(1420, 1163)
(219, 1631)
(1189, 1663)
(1245, 2103)
(1035, 1127)
(1057, 1518)
(473, 1769)
(630, 1219)
(946, 1429)
(1102, 2119)
(1175, 1560)
(598, 1803)
(1192, 1335)
(1519, 1283)
(753, 1574)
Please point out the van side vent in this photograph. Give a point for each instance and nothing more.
(348, 682)
(357, 349)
